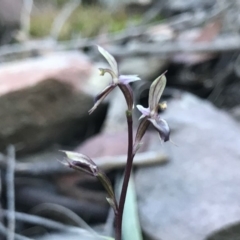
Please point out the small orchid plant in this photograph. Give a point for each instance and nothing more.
(149, 116)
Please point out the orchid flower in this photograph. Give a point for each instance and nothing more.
(122, 81)
(150, 115)
(83, 163)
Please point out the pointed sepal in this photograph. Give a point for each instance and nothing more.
(142, 127)
(100, 97)
(111, 60)
(156, 91)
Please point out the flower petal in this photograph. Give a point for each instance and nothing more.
(111, 60)
(81, 162)
(128, 94)
(99, 98)
(156, 91)
(125, 79)
(111, 72)
(145, 111)
(162, 127)
(142, 127)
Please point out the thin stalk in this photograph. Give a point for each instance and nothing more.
(127, 174)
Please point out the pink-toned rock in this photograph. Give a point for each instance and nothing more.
(71, 68)
(44, 101)
(109, 144)
(105, 144)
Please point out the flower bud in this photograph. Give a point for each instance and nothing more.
(81, 162)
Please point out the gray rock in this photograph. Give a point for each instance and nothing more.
(45, 100)
(197, 193)
(146, 67)
(235, 112)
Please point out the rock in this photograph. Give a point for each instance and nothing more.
(114, 144)
(44, 101)
(235, 113)
(197, 193)
(146, 67)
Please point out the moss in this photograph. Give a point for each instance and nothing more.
(40, 24)
(86, 20)
(61, 2)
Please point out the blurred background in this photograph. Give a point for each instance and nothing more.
(186, 189)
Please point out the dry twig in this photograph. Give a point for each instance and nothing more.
(181, 21)
(10, 191)
(25, 17)
(105, 163)
(52, 207)
(166, 50)
(46, 223)
(62, 17)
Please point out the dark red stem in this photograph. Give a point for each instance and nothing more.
(127, 174)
